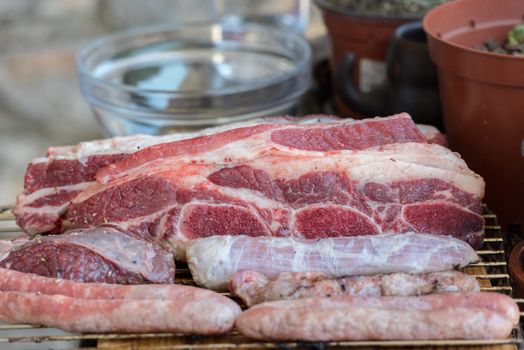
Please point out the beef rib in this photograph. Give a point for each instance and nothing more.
(52, 182)
(333, 179)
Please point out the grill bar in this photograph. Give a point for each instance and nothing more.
(234, 335)
(490, 252)
(496, 289)
(5, 214)
(18, 326)
(492, 276)
(489, 263)
(492, 239)
(8, 230)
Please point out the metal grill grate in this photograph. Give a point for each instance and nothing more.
(491, 272)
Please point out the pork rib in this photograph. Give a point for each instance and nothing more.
(255, 288)
(96, 255)
(214, 260)
(98, 307)
(428, 317)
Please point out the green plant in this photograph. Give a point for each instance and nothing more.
(516, 36)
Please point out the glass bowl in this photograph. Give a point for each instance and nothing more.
(181, 78)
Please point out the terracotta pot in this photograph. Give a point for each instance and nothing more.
(516, 269)
(367, 37)
(411, 85)
(482, 95)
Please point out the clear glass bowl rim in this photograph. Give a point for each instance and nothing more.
(301, 66)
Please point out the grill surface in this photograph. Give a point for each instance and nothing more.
(491, 272)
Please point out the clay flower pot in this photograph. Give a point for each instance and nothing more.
(367, 37)
(411, 85)
(516, 269)
(482, 95)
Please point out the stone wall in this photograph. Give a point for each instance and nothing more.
(39, 101)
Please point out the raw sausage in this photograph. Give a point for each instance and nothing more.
(436, 316)
(255, 288)
(98, 307)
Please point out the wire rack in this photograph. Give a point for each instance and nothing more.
(491, 271)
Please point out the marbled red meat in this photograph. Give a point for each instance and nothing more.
(344, 178)
(96, 255)
(246, 183)
(52, 182)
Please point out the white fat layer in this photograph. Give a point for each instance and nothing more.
(24, 199)
(39, 160)
(247, 148)
(395, 162)
(146, 218)
(198, 262)
(254, 197)
(214, 260)
(382, 166)
(50, 210)
(429, 131)
(129, 144)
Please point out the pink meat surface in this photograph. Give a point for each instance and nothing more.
(214, 260)
(429, 317)
(99, 307)
(255, 288)
(96, 255)
(310, 181)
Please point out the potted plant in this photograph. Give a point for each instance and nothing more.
(482, 94)
(364, 28)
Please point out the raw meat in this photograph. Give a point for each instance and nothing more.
(98, 307)
(250, 142)
(255, 288)
(52, 182)
(130, 144)
(438, 316)
(214, 260)
(96, 255)
(339, 179)
(49, 186)
(433, 135)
